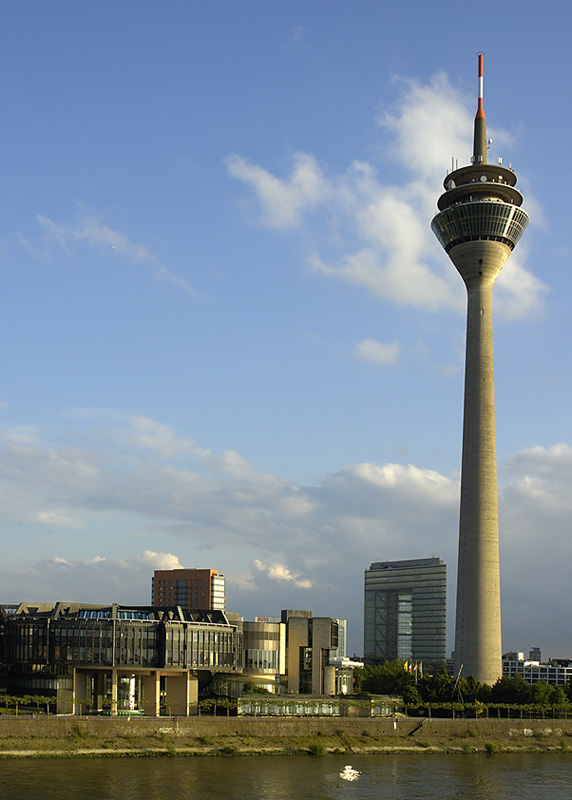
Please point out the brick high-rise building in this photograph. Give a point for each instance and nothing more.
(197, 589)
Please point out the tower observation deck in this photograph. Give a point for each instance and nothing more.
(479, 223)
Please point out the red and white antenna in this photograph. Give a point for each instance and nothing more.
(480, 110)
(480, 140)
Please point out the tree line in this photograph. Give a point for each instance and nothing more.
(394, 678)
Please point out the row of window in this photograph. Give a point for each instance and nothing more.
(139, 645)
(485, 220)
(261, 659)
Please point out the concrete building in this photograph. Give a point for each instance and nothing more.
(6, 610)
(341, 650)
(556, 672)
(264, 653)
(405, 609)
(309, 642)
(147, 659)
(198, 589)
(345, 669)
(117, 658)
(479, 223)
(297, 653)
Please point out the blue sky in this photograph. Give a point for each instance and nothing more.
(230, 337)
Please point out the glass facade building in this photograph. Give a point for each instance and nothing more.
(405, 611)
(93, 651)
(116, 637)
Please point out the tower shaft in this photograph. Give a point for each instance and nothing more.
(478, 619)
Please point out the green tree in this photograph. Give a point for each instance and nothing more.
(511, 690)
(437, 688)
(568, 690)
(541, 693)
(557, 696)
(391, 677)
(411, 696)
(471, 690)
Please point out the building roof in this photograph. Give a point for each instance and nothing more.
(412, 563)
(66, 610)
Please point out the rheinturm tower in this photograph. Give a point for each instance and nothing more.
(479, 223)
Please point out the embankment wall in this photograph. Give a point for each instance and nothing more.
(276, 728)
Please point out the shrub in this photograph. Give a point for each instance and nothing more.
(78, 732)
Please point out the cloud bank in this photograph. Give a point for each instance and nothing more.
(140, 488)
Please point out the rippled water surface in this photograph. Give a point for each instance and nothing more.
(477, 777)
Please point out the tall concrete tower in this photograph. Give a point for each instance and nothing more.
(479, 223)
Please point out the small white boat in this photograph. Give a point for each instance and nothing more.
(349, 773)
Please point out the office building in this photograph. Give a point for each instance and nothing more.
(198, 589)
(117, 658)
(297, 653)
(309, 643)
(405, 611)
(149, 660)
(264, 649)
(341, 650)
(556, 672)
(479, 223)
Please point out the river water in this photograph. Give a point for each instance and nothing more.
(383, 777)
(387, 777)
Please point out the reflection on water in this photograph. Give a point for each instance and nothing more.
(478, 777)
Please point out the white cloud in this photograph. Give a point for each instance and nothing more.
(430, 124)
(61, 562)
(58, 519)
(278, 572)
(384, 354)
(90, 231)
(282, 201)
(518, 292)
(297, 36)
(379, 233)
(151, 560)
(156, 436)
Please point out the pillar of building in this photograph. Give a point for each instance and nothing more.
(178, 695)
(152, 694)
(329, 680)
(113, 692)
(99, 693)
(81, 698)
(64, 695)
